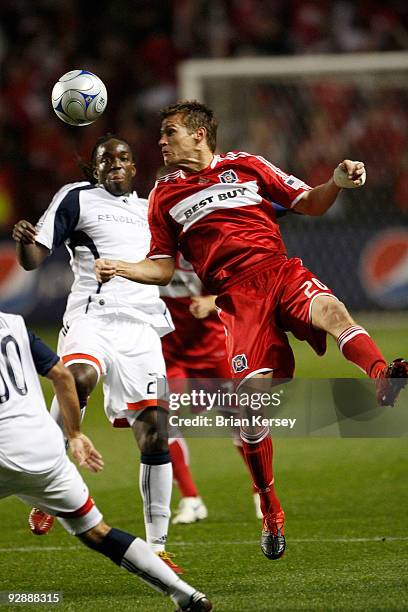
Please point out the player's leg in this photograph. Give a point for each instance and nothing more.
(258, 352)
(134, 555)
(358, 347)
(331, 316)
(86, 378)
(131, 390)
(258, 452)
(309, 309)
(223, 371)
(82, 348)
(63, 493)
(237, 442)
(191, 507)
(150, 431)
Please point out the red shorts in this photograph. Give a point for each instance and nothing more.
(257, 312)
(177, 372)
(176, 369)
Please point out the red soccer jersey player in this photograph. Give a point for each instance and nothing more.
(216, 209)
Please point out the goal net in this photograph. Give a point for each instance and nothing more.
(305, 114)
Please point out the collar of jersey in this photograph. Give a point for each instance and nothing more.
(122, 195)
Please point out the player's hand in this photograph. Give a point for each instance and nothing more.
(350, 174)
(105, 270)
(24, 232)
(202, 306)
(85, 454)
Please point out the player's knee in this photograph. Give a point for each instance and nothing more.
(330, 314)
(153, 442)
(95, 536)
(151, 431)
(85, 379)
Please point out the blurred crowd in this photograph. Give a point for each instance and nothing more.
(135, 47)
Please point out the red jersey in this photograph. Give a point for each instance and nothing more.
(222, 219)
(195, 343)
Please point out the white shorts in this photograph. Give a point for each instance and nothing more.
(126, 352)
(60, 491)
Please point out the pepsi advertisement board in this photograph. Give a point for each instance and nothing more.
(366, 268)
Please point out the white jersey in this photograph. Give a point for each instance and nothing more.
(93, 223)
(185, 282)
(30, 440)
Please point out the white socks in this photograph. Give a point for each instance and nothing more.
(141, 560)
(156, 483)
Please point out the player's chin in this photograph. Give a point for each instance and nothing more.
(118, 187)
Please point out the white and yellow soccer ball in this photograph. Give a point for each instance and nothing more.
(79, 97)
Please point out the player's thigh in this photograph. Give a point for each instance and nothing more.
(136, 378)
(87, 340)
(63, 493)
(300, 288)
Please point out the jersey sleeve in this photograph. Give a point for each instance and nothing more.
(283, 189)
(60, 218)
(163, 236)
(44, 358)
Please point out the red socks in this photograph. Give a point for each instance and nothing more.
(357, 346)
(241, 452)
(181, 470)
(258, 455)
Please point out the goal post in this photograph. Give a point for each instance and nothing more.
(305, 114)
(192, 74)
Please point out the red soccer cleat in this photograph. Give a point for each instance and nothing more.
(273, 542)
(40, 522)
(391, 381)
(166, 557)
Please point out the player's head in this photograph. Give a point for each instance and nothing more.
(187, 129)
(111, 165)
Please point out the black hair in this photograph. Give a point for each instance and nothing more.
(87, 168)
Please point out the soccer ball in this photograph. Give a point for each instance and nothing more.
(79, 97)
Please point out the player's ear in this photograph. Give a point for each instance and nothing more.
(134, 171)
(200, 134)
(95, 173)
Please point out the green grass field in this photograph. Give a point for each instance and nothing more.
(346, 502)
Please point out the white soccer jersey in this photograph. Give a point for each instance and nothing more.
(30, 440)
(185, 282)
(94, 223)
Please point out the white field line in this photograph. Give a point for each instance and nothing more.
(28, 549)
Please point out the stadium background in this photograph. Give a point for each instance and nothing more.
(346, 506)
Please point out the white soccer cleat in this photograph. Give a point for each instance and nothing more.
(190, 510)
(257, 504)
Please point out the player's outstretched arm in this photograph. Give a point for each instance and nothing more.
(82, 448)
(30, 253)
(348, 174)
(147, 271)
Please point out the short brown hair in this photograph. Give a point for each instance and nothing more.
(195, 115)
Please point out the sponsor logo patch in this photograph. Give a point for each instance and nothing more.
(293, 182)
(228, 176)
(239, 363)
